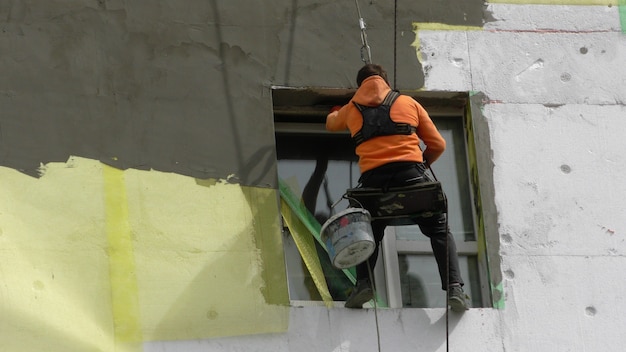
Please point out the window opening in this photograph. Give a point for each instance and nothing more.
(303, 178)
(320, 166)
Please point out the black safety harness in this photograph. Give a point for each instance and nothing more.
(377, 120)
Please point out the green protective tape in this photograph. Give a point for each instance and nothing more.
(301, 211)
(498, 295)
(307, 219)
(313, 226)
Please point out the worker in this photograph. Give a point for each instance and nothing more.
(390, 156)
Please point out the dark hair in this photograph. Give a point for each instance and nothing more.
(370, 70)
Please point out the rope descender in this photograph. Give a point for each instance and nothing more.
(366, 53)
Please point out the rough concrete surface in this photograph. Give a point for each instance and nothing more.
(184, 87)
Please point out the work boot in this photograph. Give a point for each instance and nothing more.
(458, 299)
(361, 294)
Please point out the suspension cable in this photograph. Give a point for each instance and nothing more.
(395, 45)
(447, 264)
(373, 287)
(447, 282)
(366, 52)
(366, 56)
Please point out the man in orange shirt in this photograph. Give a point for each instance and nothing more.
(390, 156)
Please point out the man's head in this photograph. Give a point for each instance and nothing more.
(370, 70)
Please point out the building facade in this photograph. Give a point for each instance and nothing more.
(143, 145)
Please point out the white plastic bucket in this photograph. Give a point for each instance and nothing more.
(348, 237)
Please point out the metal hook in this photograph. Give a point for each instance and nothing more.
(365, 48)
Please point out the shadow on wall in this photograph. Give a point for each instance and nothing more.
(484, 202)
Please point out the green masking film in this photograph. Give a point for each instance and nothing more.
(307, 219)
(306, 247)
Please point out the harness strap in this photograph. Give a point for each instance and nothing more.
(390, 98)
(400, 128)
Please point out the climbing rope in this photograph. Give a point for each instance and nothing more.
(447, 283)
(366, 57)
(369, 271)
(366, 52)
(447, 266)
(395, 41)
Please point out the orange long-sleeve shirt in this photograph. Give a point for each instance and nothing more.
(382, 150)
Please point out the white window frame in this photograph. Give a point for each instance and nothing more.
(392, 247)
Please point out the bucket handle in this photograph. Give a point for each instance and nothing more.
(345, 196)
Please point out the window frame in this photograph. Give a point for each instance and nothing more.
(438, 105)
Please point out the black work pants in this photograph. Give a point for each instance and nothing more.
(436, 228)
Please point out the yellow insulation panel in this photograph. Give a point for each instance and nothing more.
(99, 259)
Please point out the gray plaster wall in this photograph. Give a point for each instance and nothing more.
(185, 86)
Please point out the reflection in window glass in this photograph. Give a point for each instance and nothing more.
(420, 283)
(454, 177)
(320, 167)
(323, 192)
(419, 278)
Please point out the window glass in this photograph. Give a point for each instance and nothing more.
(452, 171)
(418, 269)
(319, 167)
(322, 191)
(420, 283)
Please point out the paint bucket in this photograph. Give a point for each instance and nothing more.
(348, 237)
